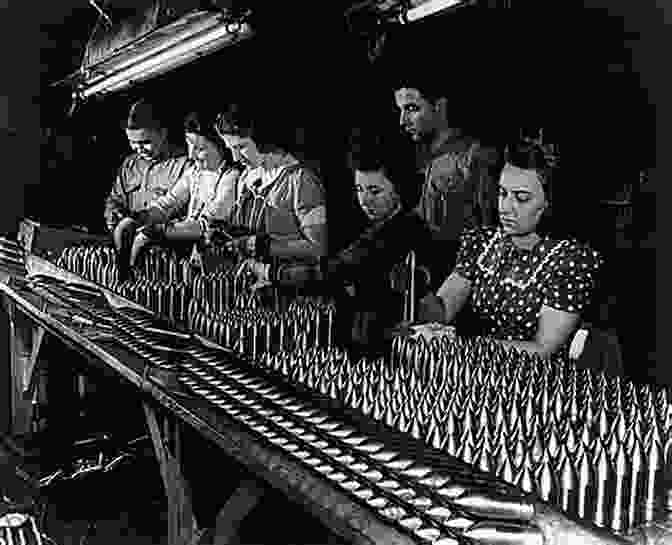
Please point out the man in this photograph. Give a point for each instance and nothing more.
(460, 180)
(150, 171)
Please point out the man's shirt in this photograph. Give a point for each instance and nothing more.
(141, 181)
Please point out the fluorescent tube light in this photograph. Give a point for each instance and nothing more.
(183, 30)
(168, 59)
(429, 8)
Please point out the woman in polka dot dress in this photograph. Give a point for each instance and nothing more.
(527, 289)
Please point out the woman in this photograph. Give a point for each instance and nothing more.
(527, 289)
(206, 192)
(360, 275)
(280, 208)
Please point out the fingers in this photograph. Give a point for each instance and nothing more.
(244, 246)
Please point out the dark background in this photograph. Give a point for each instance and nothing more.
(591, 73)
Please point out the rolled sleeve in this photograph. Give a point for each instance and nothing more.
(170, 204)
(309, 208)
(116, 205)
(221, 205)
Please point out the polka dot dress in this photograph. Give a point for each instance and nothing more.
(510, 284)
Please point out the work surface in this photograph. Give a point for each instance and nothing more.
(365, 481)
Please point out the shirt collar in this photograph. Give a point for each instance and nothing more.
(446, 142)
(168, 151)
(394, 213)
(273, 165)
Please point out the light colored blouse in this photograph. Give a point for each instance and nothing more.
(285, 200)
(205, 194)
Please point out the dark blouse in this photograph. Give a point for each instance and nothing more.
(509, 285)
(367, 265)
(367, 262)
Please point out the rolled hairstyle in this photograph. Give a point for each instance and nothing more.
(529, 155)
(269, 131)
(203, 124)
(391, 156)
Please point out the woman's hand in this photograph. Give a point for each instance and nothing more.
(402, 329)
(431, 309)
(255, 246)
(257, 271)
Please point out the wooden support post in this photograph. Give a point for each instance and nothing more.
(237, 507)
(182, 527)
(25, 341)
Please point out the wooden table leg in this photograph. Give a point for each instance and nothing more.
(237, 507)
(25, 338)
(182, 527)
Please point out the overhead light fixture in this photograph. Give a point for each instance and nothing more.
(163, 49)
(430, 8)
(169, 59)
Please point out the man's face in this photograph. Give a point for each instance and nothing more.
(417, 115)
(146, 142)
(243, 149)
(522, 200)
(376, 194)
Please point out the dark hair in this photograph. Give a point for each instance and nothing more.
(426, 83)
(144, 115)
(203, 124)
(530, 156)
(267, 129)
(393, 156)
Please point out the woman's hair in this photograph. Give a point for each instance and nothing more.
(202, 124)
(269, 132)
(531, 156)
(393, 156)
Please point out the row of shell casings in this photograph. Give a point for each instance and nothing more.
(380, 384)
(568, 479)
(561, 390)
(159, 263)
(532, 454)
(222, 291)
(474, 357)
(19, 528)
(259, 331)
(132, 330)
(98, 263)
(431, 506)
(12, 256)
(168, 300)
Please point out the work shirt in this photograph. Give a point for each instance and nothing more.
(206, 196)
(460, 191)
(141, 181)
(287, 201)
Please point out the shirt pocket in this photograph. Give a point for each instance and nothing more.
(133, 189)
(157, 192)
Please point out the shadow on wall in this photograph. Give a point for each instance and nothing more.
(16, 178)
